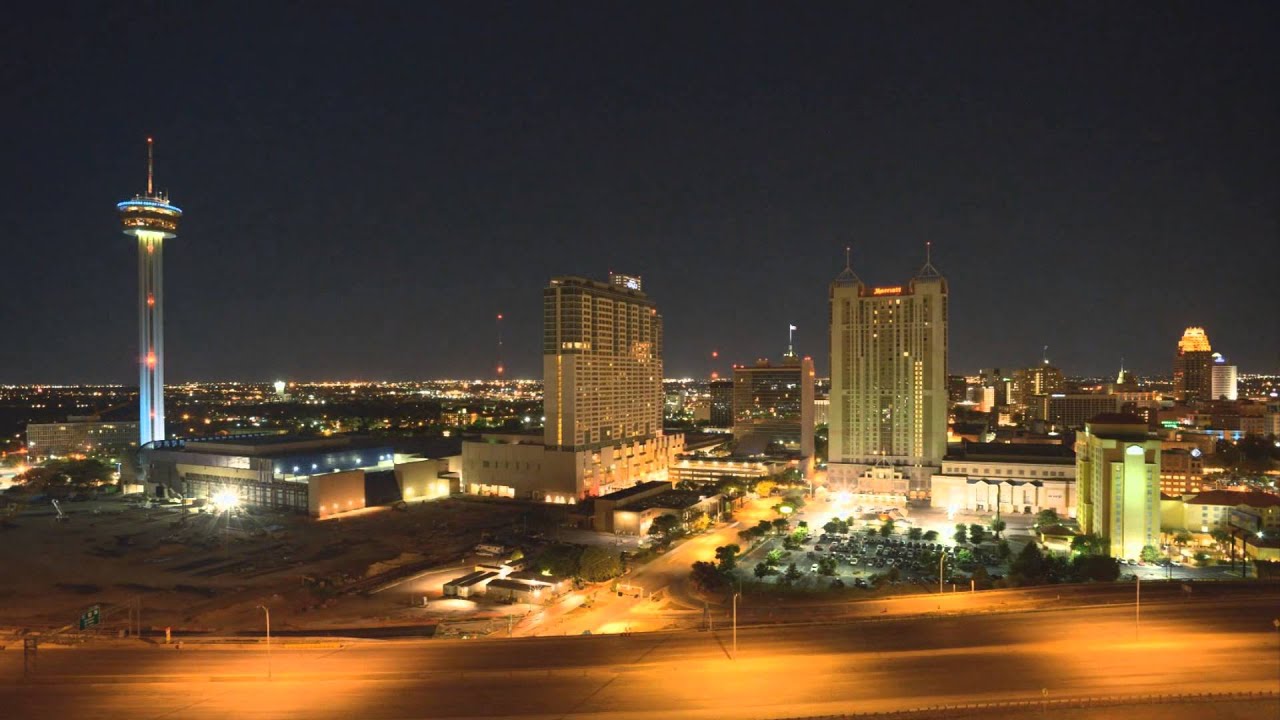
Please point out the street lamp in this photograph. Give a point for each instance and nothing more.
(1137, 606)
(264, 609)
(1276, 624)
(737, 595)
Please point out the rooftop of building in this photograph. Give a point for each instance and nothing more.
(603, 288)
(637, 489)
(270, 445)
(671, 499)
(1049, 453)
(1118, 426)
(1252, 498)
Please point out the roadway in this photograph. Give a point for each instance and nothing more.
(780, 671)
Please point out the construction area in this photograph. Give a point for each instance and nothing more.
(148, 567)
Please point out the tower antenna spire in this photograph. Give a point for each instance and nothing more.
(151, 164)
(848, 264)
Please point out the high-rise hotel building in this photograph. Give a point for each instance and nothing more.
(888, 413)
(602, 398)
(601, 362)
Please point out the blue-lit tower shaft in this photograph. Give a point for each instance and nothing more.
(152, 220)
(151, 337)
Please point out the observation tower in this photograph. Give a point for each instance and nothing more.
(152, 220)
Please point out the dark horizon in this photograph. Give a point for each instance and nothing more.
(365, 191)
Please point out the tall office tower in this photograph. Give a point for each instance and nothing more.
(1118, 483)
(1192, 377)
(152, 220)
(1043, 379)
(601, 363)
(721, 403)
(773, 408)
(1222, 381)
(888, 382)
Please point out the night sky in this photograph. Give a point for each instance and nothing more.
(366, 189)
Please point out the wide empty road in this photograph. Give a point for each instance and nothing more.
(779, 672)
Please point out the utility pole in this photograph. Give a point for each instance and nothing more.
(264, 609)
(735, 624)
(942, 556)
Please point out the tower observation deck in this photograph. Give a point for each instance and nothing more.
(151, 219)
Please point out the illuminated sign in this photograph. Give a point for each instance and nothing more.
(629, 282)
(895, 290)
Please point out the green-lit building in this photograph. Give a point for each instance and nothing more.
(1118, 483)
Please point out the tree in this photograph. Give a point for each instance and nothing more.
(664, 527)
(915, 533)
(977, 533)
(774, 557)
(827, 566)
(886, 529)
(794, 499)
(962, 534)
(598, 564)
(731, 487)
(559, 559)
(981, 578)
(700, 522)
(1089, 544)
(1182, 538)
(727, 557)
(765, 488)
(1028, 568)
(763, 570)
(781, 525)
(792, 574)
(1047, 516)
(870, 530)
(931, 536)
(893, 574)
(997, 527)
(1149, 554)
(1099, 568)
(1003, 551)
(1220, 536)
(706, 578)
(764, 527)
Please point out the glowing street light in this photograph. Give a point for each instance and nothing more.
(226, 499)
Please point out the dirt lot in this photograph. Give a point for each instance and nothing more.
(206, 572)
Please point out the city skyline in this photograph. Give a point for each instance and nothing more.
(346, 229)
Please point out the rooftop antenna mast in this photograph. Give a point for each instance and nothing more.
(1045, 356)
(151, 164)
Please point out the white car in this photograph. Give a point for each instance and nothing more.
(813, 567)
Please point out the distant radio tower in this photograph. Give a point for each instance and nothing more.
(151, 219)
(499, 363)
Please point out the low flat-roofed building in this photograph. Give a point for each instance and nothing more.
(519, 590)
(701, 468)
(473, 583)
(520, 466)
(1016, 478)
(635, 518)
(1214, 509)
(318, 476)
(80, 435)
